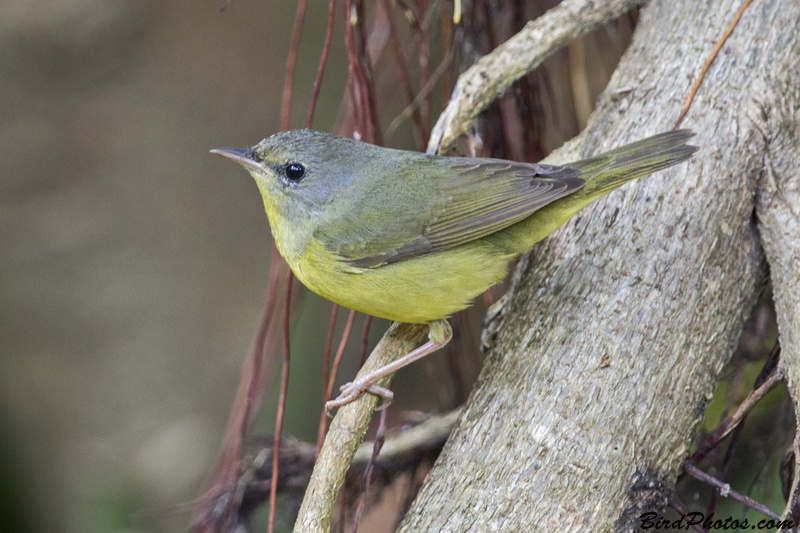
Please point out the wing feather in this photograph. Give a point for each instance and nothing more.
(473, 198)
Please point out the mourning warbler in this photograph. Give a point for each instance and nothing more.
(415, 237)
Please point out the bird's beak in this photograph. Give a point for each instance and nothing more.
(243, 156)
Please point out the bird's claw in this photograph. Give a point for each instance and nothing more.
(351, 391)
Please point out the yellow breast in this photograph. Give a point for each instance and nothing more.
(423, 289)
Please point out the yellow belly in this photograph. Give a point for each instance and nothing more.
(423, 289)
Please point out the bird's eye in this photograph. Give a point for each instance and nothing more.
(295, 171)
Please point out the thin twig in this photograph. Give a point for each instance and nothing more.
(322, 62)
(326, 371)
(447, 36)
(365, 72)
(323, 419)
(336, 360)
(794, 491)
(736, 416)
(221, 485)
(424, 66)
(531, 147)
(673, 502)
(488, 27)
(405, 450)
(454, 360)
(770, 365)
(365, 341)
(764, 374)
(356, 92)
(420, 133)
(380, 438)
(291, 61)
(482, 83)
(358, 68)
(422, 96)
(726, 490)
(502, 110)
(286, 108)
(687, 104)
(273, 493)
(347, 431)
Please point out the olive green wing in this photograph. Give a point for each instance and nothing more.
(467, 200)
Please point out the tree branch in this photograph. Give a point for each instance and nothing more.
(347, 432)
(776, 112)
(486, 80)
(618, 324)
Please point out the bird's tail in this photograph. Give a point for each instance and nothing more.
(605, 172)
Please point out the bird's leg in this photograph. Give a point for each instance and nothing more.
(439, 334)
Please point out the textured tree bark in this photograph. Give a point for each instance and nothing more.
(776, 109)
(617, 326)
(347, 431)
(483, 82)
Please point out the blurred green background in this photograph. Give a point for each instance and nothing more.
(134, 263)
